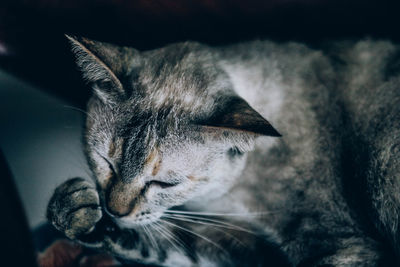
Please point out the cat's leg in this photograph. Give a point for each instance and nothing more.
(74, 208)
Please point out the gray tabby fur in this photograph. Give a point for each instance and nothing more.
(325, 193)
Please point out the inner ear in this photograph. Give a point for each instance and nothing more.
(102, 64)
(236, 114)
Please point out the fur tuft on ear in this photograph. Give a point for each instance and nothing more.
(236, 114)
(101, 63)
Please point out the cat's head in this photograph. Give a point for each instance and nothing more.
(163, 127)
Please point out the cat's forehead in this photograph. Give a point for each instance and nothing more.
(180, 79)
(175, 70)
(133, 122)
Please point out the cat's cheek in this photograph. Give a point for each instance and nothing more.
(157, 199)
(143, 217)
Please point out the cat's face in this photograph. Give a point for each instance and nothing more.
(163, 127)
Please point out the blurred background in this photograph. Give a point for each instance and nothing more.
(41, 92)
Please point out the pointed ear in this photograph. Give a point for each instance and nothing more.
(236, 114)
(102, 64)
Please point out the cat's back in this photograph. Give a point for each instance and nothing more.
(310, 96)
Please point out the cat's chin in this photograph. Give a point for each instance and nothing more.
(134, 222)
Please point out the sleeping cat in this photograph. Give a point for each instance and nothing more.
(252, 154)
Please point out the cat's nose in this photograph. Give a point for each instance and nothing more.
(115, 213)
(118, 206)
(120, 199)
(118, 209)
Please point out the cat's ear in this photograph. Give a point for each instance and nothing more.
(102, 64)
(236, 114)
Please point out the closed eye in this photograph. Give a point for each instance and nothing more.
(161, 184)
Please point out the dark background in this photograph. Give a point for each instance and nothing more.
(32, 45)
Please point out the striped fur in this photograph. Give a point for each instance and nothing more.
(189, 172)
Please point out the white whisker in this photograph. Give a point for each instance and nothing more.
(80, 110)
(196, 234)
(150, 237)
(168, 237)
(245, 214)
(210, 222)
(177, 239)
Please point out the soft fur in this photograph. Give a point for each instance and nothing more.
(188, 170)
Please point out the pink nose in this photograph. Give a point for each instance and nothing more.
(117, 210)
(121, 199)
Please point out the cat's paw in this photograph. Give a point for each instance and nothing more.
(74, 208)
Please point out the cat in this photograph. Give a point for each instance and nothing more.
(253, 154)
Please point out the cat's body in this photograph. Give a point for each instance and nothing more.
(326, 192)
(303, 178)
